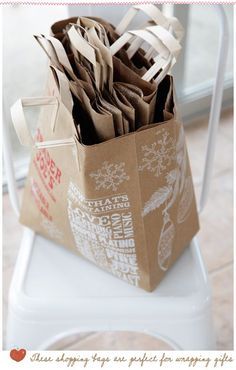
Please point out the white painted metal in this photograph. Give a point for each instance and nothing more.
(53, 301)
(9, 168)
(215, 105)
(181, 12)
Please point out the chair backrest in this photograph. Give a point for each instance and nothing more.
(213, 124)
(216, 103)
(9, 169)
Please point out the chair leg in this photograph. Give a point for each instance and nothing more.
(196, 333)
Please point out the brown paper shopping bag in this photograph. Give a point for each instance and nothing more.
(126, 204)
(135, 109)
(98, 110)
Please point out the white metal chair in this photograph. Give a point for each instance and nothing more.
(54, 293)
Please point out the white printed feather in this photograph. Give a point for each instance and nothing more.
(157, 199)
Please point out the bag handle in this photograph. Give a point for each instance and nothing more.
(149, 9)
(89, 23)
(162, 66)
(167, 50)
(19, 121)
(168, 40)
(172, 24)
(177, 28)
(64, 93)
(85, 49)
(106, 56)
(173, 46)
(142, 35)
(155, 15)
(55, 51)
(98, 38)
(165, 38)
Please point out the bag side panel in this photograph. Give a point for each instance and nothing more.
(168, 201)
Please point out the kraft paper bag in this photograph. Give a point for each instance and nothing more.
(141, 107)
(144, 106)
(101, 114)
(107, 117)
(125, 204)
(139, 63)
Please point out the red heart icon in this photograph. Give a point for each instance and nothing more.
(18, 354)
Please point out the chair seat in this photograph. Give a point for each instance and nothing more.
(46, 272)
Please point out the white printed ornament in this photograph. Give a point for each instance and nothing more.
(165, 153)
(185, 201)
(165, 244)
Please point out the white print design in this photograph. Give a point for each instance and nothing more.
(52, 229)
(176, 184)
(105, 239)
(157, 199)
(158, 155)
(185, 182)
(110, 176)
(82, 238)
(185, 201)
(165, 244)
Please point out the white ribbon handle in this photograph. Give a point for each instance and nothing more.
(149, 9)
(86, 50)
(63, 92)
(18, 116)
(177, 28)
(167, 39)
(162, 42)
(142, 35)
(155, 16)
(54, 50)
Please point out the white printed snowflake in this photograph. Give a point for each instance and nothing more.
(159, 155)
(52, 229)
(109, 176)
